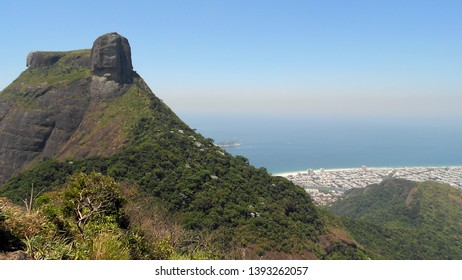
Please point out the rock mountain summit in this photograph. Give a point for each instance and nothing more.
(50, 110)
(110, 57)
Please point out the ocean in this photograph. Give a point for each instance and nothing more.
(292, 143)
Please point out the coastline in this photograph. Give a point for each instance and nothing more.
(293, 173)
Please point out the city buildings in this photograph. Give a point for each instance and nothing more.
(326, 185)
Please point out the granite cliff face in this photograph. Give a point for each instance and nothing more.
(53, 108)
(111, 58)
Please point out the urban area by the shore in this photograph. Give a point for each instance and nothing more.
(326, 185)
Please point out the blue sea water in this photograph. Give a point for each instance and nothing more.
(292, 143)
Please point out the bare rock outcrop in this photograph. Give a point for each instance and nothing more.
(111, 58)
(38, 59)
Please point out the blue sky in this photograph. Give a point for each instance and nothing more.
(359, 58)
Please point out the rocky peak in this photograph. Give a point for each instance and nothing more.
(111, 58)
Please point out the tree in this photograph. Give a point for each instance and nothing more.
(89, 197)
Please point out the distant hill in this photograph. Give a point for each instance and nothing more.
(400, 219)
(77, 120)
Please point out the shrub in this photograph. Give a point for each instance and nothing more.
(91, 197)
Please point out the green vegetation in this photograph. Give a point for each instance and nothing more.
(230, 206)
(107, 127)
(161, 190)
(90, 217)
(400, 219)
(62, 72)
(39, 79)
(93, 217)
(75, 222)
(126, 110)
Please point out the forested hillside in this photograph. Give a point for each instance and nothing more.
(400, 219)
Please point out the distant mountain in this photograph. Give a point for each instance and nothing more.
(79, 120)
(400, 219)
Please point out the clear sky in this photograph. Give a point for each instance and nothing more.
(361, 58)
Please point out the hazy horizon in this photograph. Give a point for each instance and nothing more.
(348, 58)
